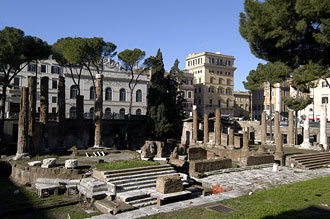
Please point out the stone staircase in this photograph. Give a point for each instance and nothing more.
(133, 186)
(310, 161)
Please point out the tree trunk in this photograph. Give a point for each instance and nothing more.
(270, 112)
(3, 111)
(130, 104)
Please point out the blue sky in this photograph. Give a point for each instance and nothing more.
(177, 27)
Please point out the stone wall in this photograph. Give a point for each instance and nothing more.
(197, 167)
(257, 160)
(197, 153)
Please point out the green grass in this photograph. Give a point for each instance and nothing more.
(116, 165)
(298, 200)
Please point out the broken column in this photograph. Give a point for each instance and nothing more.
(279, 153)
(291, 129)
(231, 139)
(306, 143)
(23, 125)
(61, 109)
(195, 124)
(276, 124)
(44, 109)
(98, 110)
(32, 85)
(323, 127)
(245, 141)
(217, 127)
(206, 129)
(263, 128)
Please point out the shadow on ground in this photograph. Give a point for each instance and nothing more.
(314, 212)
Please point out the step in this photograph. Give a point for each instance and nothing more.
(136, 172)
(136, 169)
(317, 164)
(136, 183)
(314, 161)
(309, 155)
(309, 158)
(93, 195)
(103, 207)
(143, 177)
(145, 204)
(132, 196)
(139, 201)
(130, 188)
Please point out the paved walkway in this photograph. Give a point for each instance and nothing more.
(242, 183)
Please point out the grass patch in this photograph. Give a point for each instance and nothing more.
(297, 200)
(117, 165)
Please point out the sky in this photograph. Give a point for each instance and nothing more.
(177, 27)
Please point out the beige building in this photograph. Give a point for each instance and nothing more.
(213, 80)
(242, 104)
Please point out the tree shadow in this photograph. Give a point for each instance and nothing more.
(315, 212)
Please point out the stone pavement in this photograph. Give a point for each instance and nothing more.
(241, 182)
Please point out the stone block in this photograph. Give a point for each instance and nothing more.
(48, 162)
(169, 184)
(71, 164)
(34, 163)
(197, 153)
(259, 159)
(201, 166)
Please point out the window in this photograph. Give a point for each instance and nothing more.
(91, 111)
(324, 84)
(211, 80)
(199, 89)
(122, 95)
(54, 84)
(228, 81)
(219, 61)
(32, 67)
(210, 102)
(43, 69)
(16, 83)
(219, 72)
(325, 100)
(53, 109)
(55, 70)
(91, 93)
(211, 71)
(72, 112)
(228, 73)
(211, 60)
(108, 94)
(122, 111)
(138, 112)
(107, 113)
(220, 80)
(199, 101)
(189, 94)
(228, 91)
(73, 92)
(138, 96)
(219, 103)
(228, 103)
(200, 80)
(228, 62)
(54, 99)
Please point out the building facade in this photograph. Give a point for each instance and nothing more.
(116, 92)
(187, 89)
(213, 81)
(242, 104)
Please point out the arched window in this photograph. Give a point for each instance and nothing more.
(122, 95)
(122, 111)
(107, 113)
(108, 94)
(91, 93)
(138, 112)
(138, 96)
(73, 92)
(72, 112)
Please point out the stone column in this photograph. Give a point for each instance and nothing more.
(231, 139)
(279, 153)
(217, 127)
(98, 110)
(245, 141)
(206, 129)
(323, 127)
(32, 85)
(291, 129)
(23, 125)
(276, 124)
(195, 125)
(306, 143)
(61, 109)
(44, 100)
(263, 128)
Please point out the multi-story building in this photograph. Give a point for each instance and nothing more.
(187, 89)
(116, 92)
(213, 81)
(242, 104)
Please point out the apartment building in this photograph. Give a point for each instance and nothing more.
(187, 89)
(116, 92)
(242, 104)
(213, 81)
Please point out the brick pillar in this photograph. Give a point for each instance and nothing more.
(217, 127)
(276, 124)
(23, 125)
(44, 100)
(291, 129)
(245, 141)
(279, 153)
(98, 110)
(32, 85)
(231, 139)
(263, 128)
(195, 124)
(206, 129)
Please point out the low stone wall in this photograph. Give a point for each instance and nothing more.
(28, 175)
(257, 160)
(197, 153)
(200, 166)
